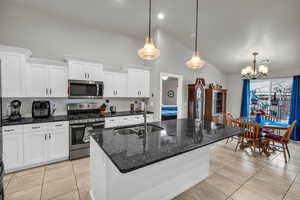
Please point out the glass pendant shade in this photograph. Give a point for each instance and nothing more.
(149, 51)
(195, 62)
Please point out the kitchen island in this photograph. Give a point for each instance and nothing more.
(129, 164)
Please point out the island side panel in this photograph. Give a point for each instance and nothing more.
(159, 181)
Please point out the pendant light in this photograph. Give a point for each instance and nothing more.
(149, 52)
(196, 62)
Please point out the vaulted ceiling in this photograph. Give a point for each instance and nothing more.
(229, 30)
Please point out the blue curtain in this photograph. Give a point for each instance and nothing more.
(245, 99)
(295, 108)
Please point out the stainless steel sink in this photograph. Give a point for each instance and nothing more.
(139, 129)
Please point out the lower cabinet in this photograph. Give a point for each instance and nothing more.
(126, 120)
(12, 147)
(34, 144)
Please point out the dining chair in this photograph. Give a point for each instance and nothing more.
(270, 118)
(229, 119)
(251, 137)
(281, 140)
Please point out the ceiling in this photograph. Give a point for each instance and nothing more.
(229, 30)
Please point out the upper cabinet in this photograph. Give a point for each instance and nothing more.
(46, 80)
(80, 70)
(115, 84)
(138, 83)
(13, 64)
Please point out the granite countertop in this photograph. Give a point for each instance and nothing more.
(132, 151)
(30, 120)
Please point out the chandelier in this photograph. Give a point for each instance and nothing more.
(254, 72)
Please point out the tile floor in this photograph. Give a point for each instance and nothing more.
(233, 176)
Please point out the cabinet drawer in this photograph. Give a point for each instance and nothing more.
(35, 127)
(8, 130)
(59, 125)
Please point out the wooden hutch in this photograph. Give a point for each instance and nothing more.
(215, 105)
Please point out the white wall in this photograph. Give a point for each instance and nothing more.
(169, 85)
(49, 36)
(235, 85)
(173, 60)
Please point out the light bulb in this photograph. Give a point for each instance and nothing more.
(149, 52)
(195, 62)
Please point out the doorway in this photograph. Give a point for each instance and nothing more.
(170, 96)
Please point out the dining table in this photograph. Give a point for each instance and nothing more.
(264, 124)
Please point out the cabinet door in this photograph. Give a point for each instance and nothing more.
(109, 87)
(120, 82)
(58, 144)
(133, 83)
(76, 71)
(12, 147)
(35, 147)
(12, 75)
(144, 83)
(94, 71)
(37, 80)
(57, 81)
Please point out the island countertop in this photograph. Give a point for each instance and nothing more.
(132, 151)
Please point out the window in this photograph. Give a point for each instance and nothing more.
(272, 96)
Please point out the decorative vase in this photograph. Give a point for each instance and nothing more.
(258, 117)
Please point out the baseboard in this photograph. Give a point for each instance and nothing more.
(35, 165)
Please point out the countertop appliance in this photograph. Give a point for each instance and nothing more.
(85, 89)
(1, 146)
(15, 110)
(41, 109)
(113, 109)
(84, 117)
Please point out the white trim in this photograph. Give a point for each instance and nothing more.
(179, 93)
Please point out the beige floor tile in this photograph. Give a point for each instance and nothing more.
(245, 193)
(297, 180)
(83, 180)
(19, 183)
(84, 194)
(6, 179)
(207, 191)
(220, 181)
(81, 165)
(59, 165)
(34, 193)
(294, 192)
(267, 189)
(36, 170)
(237, 175)
(280, 171)
(58, 173)
(74, 195)
(58, 188)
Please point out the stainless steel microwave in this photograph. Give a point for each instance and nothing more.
(85, 89)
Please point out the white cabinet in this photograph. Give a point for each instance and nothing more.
(138, 83)
(34, 147)
(12, 147)
(12, 75)
(79, 70)
(126, 120)
(58, 141)
(46, 81)
(115, 84)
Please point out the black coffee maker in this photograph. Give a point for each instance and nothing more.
(15, 110)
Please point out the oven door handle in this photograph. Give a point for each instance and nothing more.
(98, 124)
(78, 126)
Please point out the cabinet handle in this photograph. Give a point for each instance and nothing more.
(46, 91)
(50, 136)
(85, 75)
(88, 75)
(58, 125)
(45, 136)
(36, 127)
(50, 90)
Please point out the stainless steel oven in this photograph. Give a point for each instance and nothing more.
(85, 89)
(80, 131)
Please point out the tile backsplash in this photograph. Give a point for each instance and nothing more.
(122, 104)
